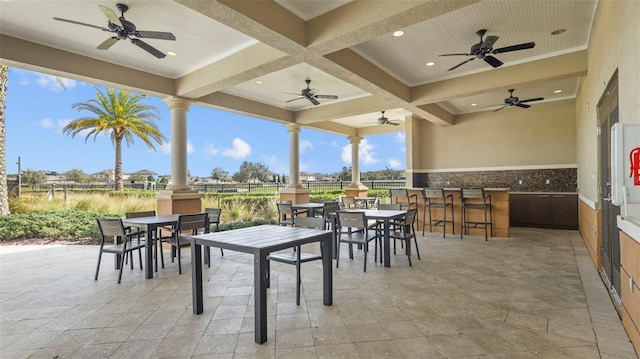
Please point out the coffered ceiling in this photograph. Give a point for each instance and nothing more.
(253, 57)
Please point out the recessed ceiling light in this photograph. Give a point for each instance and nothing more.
(558, 31)
(430, 63)
(259, 82)
(398, 33)
(474, 104)
(557, 91)
(171, 53)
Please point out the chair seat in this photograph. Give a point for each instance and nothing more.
(291, 257)
(118, 248)
(357, 237)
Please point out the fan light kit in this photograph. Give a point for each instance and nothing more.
(484, 49)
(398, 33)
(311, 95)
(430, 63)
(385, 121)
(123, 29)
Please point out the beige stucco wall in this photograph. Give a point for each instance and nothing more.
(614, 44)
(543, 135)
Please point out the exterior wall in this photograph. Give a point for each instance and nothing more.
(543, 135)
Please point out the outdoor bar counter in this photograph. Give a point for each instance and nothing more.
(499, 204)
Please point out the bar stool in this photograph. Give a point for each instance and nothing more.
(476, 194)
(402, 197)
(429, 195)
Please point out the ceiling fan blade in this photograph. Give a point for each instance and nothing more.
(533, 99)
(524, 46)
(500, 108)
(111, 15)
(81, 23)
(148, 48)
(333, 97)
(106, 44)
(462, 63)
(455, 55)
(487, 44)
(294, 99)
(155, 35)
(523, 105)
(392, 123)
(492, 61)
(313, 100)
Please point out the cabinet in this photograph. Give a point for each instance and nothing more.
(544, 210)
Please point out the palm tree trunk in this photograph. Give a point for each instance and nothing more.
(4, 193)
(118, 167)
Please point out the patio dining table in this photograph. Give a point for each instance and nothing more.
(151, 224)
(309, 207)
(259, 241)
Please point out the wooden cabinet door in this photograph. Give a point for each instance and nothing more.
(540, 213)
(565, 211)
(518, 210)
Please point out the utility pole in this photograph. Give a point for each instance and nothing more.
(19, 178)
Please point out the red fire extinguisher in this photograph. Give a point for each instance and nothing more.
(634, 157)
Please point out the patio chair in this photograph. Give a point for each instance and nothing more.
(140, 232)
(401, 195)
(214, 226)
(124, 243)
(297, 257)
(286, 214)
(189, 224)
(405, 232)
(357, 232)
(348, 202)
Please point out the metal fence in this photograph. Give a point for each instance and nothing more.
(235, 187)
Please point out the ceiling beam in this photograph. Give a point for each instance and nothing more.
(227, 102)
(341, 109)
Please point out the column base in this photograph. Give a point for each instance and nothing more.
(179, 201)
(356, 190)
(295, 194)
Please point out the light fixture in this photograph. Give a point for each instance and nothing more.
(259, 82)
(398, 33)
(557, 91)
(430, 63)
(474, 104)
(172, 53)
(558, 31)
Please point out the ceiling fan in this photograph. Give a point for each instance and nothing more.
(484, 49)
(123, 29)
(514, 101)
(385, 121)
(311, 95)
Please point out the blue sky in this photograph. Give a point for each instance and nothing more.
(38, 108)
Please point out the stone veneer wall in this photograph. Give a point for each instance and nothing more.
(560, 180)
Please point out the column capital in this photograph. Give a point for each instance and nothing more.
(355, 139)
(293, 127)
(177, 103)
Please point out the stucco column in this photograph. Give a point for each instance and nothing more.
(355, 188)
(294, 155)
(294, 191)
(179, 197)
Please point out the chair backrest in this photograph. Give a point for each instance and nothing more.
(410, 217)
(330, 208)
(140, 214)
(390, 206)
(352, 220)
(402, 196)
(432, 193)
(111, 227)
(192, 222)
(309, 222)
(472, 193)
(285, 208)
(348, 202)
(214, 215)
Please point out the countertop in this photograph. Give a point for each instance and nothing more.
(630, 226)
(544, 193)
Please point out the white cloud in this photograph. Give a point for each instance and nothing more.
(55, 84)
(210, 150)
(276, 165)
(56, 126)
(303, 145)
(366, 156)
(239, 151)
(394, 163)
(400, 137)
(166, 148)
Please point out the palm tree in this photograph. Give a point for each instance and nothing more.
(4, 193)
(121, 116)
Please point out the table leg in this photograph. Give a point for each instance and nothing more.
(327, 271)
(196, 278)
(334, 236)
(387, 254)
(148, 248)
(260, 294)
(118, 260)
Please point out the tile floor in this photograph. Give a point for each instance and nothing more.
(534, 295)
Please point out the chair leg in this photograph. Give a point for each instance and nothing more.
(415, 239)
(98, 266)
(268, 274)
(120, 272)
(179, 261)
(139, 257)
(409, 250)
(338, 254)
(366, 249)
